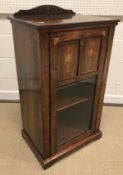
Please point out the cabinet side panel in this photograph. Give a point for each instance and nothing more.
(104, 77)
(30, 83)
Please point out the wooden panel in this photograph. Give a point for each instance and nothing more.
(45, 91)
(90, 54)
(67, 57)
(32, 79)
(104, 76)
(99, 77)
(76, 53)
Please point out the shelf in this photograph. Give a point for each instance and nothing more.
(68, 82)
(73, 121)
(75, 93)
(74, 109)
(73, 102)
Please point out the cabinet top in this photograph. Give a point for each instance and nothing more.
(50, 16)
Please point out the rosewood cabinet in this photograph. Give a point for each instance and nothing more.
(62, 61)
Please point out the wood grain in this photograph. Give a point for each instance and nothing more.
(55, 52)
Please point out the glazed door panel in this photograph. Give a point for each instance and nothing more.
(73, 55)
(74, 110)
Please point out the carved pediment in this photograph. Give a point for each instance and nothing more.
(44, 10)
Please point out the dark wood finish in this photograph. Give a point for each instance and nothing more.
(104, 76)
(33, 78)
(56, 41)
(90, 57)
(67, 58)
(75, 48)
(46, 163)
(56, 22)
(56, 50)
(44, 10)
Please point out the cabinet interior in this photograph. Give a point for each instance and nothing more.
(74, 108)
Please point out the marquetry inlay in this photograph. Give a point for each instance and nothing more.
(68, 60)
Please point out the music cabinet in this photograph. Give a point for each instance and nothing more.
(62, 61)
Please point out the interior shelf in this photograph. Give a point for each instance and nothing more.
(71, 122)
(75, 93)
(74, 101)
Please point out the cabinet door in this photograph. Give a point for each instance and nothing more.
(76, 59)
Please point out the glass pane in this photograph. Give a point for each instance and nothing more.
(78, 92)
(74, 110)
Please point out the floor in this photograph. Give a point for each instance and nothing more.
(103, 157)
